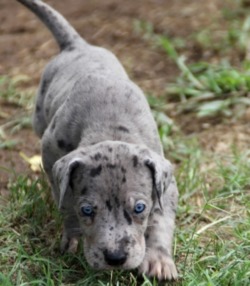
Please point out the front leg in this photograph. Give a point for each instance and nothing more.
(71, 233)
(158, 261)
(71, 229)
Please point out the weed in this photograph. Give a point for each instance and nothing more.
(143, 27)
(12, 95)
(207, 89)
(204, 88)
(166, 126)
(216, 247)
(215, 90)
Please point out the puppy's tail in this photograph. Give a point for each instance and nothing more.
(65, 35)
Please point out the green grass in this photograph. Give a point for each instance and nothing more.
(11, 94)
(212, 242)
(208, 89)
(215, 207)
(215, 87)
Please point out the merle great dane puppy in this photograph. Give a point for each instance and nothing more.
(103, 157)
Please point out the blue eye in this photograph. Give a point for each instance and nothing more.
(87, 210)
(139, 208)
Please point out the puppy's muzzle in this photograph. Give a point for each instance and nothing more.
(115, 258)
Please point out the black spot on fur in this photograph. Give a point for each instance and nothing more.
(110, 149)
(127, 217)
(96, 255)
(98, 156)
(124, 180)
(111, 166)
(61, 144)
(84, 190)
(69, 48)
(117, 202)
(111, 228)
(165, 174)
(123, 170)
(44, 86)
(38, 108)
(135, 161)
(123, 129)
(108, 204)
(64, 145)
(96, 171)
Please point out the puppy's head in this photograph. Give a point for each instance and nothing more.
(112, 187)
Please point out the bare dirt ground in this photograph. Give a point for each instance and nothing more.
(26, 46)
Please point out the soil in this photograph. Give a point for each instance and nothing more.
(26, 46)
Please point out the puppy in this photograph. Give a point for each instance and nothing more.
(103, 157)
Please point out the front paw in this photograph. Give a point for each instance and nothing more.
(69, 244)
(158, 264)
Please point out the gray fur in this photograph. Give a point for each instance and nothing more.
(101, 150)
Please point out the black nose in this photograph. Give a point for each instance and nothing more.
(115, 258)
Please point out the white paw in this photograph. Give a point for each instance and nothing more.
(159, 265)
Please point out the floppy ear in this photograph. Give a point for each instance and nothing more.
(162, 172)
(62, 172)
